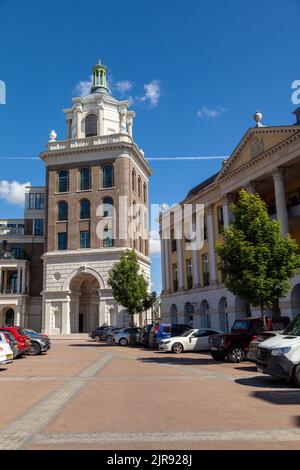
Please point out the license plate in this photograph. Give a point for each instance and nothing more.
(9, 356)
(260, 370)
(214, 348)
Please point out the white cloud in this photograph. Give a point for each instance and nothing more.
(83, 88)
(152, 92)
(123, 86)
(213, 113)
(154, 242)
(13, 192)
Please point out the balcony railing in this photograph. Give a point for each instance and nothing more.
(88, 142)
(17, 255)
(11, 232)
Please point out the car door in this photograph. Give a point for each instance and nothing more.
(202, 339)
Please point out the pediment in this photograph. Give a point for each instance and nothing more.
(256, 142)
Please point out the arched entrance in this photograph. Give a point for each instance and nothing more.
(241, 308)
(295, 300)
(85, 300)
(8, 316)
(223, 316)
(173, 314)
(205, 315)
(189, 314)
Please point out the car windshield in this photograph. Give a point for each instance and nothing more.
(294, 328)
(240, 325)
(22, 332)
(187, 333)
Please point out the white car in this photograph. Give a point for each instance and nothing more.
(192, 340)
(6, 354)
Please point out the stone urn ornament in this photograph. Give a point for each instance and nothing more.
(258, 118)
(53, 136)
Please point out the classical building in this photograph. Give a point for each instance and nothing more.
(266, 161)
(96, 207)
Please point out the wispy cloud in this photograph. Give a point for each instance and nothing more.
(123, 86)
(152, 92)
(154, 244)
(83, 88)
(212, 113)
(13, 192)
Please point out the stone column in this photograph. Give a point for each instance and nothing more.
(69, 129)
(180, 263)
(227, 214)
(47, 318)
(281, 208)
(19, 281)
(66, 328)
(5, 281)
(211, 244)
(100, 119)
(196, 273)
(129, 125)
(101, 319)
(167, 263)
(163, 268)
(78, 123)
(1, 280)
(23, 291)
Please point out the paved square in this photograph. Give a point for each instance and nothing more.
(87, 395)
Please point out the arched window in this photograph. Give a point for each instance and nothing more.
(63, 181)
(62, 211)
(85, 209)
(91, 125)
(108, 207)
(133, 179)
(85, 179)
(108, 176)
(139, 187)
(145, 193)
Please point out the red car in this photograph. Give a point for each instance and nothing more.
(21, 336)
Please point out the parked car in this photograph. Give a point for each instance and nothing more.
(275, 325)
(123, 336)
(97, 333)
(6, 354)
(192, 340)
(107, 332)
(13, 343)
(235, 345)
(40, 343)
(279, 356)
(110, 336)
(160, 331)
(21, 336)
(144, 335)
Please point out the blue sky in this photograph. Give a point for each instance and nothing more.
(214, 64)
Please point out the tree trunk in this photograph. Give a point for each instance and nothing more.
(132, 342)
(276, 309)
(262, 312)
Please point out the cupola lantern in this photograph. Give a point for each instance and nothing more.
(99, 84)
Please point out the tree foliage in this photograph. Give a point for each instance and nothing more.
(130, 288)
(257, 262)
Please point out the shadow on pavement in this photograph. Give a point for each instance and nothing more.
(279, 397)
(92, 345)
(247, 368)
(264, 382)
(181, 360)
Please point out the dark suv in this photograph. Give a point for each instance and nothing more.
(235, 345)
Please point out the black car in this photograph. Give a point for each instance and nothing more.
(39, 343)
(97, 333)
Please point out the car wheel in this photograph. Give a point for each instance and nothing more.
(123, 342)
(296, 376)
(177, 348)
(109, 339)
(97, 338)
(218, 356)
(35, 349)
(236, 354)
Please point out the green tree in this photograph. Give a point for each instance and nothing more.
(257, 262)
(130, 288)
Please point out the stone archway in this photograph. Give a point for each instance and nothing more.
(189, 312)
(84, 302)
(173, 314)
(223, 316)
(7, 316)
(205, 314)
